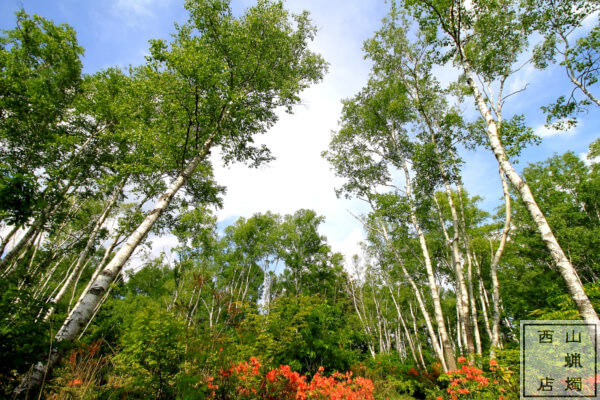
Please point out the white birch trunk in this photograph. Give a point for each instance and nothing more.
(417, 341)
(565, 267)
(469, 325)
(494, 269)
(461, 298)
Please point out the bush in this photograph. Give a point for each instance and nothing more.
(251, 381)
(497, 382)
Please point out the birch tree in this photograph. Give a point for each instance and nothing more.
(467, 36)
(217, 84)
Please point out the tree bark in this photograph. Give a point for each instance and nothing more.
(461, 302)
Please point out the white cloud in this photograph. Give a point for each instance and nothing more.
(588, 161)
(139, 14)
(300, 177)
(544, 131)
(349, 246)
(135, 7)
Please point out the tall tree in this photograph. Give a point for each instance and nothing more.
(467, 34)
(219, 82)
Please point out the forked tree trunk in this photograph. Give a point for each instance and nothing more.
(82, 314)
(565, 267)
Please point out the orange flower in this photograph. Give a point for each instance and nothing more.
(461, 359)
(75, 382)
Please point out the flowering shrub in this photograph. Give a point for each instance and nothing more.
(248, 380)
(470, 382)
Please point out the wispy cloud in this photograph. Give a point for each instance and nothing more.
(587, 160)
(137, 13)
(135, 7)
(545, 131)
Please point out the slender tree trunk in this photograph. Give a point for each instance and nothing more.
(30, 232)
(82, 314)
(469, 325)
(459, 327)
(484, 310)
(571, 73)
(6, 261)
(473, 304)
(494, 268)
(31, 272)
(417, 341)
(363, 319)
(470, 261)
(411, 344)
(99, 269)
(39, 291)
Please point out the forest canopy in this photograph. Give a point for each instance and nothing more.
(97, 165)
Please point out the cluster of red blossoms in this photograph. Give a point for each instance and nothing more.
(246, 380)
(469, 381)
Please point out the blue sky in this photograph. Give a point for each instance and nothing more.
(116, 32)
